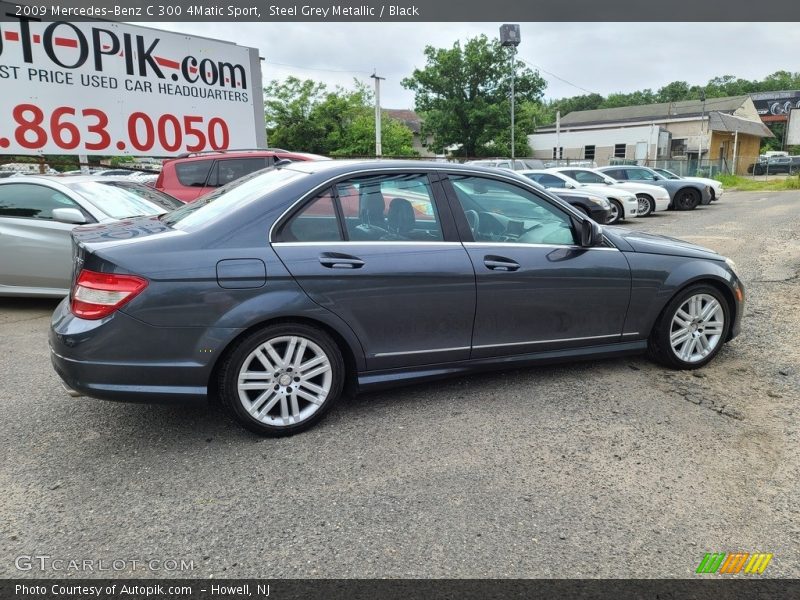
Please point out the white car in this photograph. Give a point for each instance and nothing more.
(651, 198)
(716, 186)
(624, 204)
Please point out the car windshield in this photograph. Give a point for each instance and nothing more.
(229, 197)
(667, 174)
(123, 201)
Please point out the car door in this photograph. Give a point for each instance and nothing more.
(36, 249)
(381, 251)
(537, 289)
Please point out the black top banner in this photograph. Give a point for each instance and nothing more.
(398, 589)
(409, 11)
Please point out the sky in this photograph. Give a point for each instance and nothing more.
(574, 58)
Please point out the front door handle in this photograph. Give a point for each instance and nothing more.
(334, 260)
(500, 263)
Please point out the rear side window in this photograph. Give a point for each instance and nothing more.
(618, 174)
(31, 201)
(317, 222)
(193, 173)
(227, 170)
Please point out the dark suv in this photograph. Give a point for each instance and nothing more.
(191, 175)
(775, 165)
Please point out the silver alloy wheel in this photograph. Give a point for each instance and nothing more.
(644, 206)
(285, 380)
(696, 328)
(615, 216)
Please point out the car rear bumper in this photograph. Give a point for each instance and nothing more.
(122, 358)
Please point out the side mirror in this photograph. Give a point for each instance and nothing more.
(569, 186)
(591, 234)
(69, 215)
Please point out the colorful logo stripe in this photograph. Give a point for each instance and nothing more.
(731, 564)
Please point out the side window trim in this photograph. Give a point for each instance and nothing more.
(337, 207)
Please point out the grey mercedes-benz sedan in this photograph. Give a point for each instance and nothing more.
(274, 291)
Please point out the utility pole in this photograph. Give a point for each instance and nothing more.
(509, 36)
(702, 126)
(378, 148)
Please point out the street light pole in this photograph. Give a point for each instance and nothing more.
(378, 148)
(510, 37)
(702, 126)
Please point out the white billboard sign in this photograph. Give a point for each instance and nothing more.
(110, 88)
(793, 128)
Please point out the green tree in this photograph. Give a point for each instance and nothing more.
(306, 116)
(463, 94)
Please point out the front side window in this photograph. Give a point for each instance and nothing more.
(227, 170)
(500, 212)
(32, 201)
(640, 175)
(551, 181)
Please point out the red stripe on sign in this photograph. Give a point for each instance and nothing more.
(12, 36)
(193, 69)
(66, 42)
(36, 38)
(165, 62)
(106, 46)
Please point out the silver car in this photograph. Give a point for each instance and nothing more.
(37, 215)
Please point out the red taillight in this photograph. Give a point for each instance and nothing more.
(97, 295)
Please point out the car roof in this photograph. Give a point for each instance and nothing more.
(254, 153)
(350, 165)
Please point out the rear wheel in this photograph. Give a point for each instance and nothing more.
(282, 379)
(616, 213)
(646, 205)
(692, 328)
(687, 199)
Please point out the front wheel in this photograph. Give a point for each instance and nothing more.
(687, 199)
(282, 379)
(692, 328)
(616, 213)
(646, 205)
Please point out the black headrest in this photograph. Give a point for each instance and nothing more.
(401, 215)
(374, 203)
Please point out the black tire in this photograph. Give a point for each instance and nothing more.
(687, 199)
(613, 219)
(659, 347)
(644, 199)
(287, 396)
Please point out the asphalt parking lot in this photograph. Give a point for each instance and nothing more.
(617, 468)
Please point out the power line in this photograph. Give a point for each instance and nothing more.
(583, 89)
(351, 71)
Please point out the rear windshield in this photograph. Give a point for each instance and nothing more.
(120, 202)
(228, 197)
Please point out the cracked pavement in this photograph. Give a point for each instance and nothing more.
(616, 468)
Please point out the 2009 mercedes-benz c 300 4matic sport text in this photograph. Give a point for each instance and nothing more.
(277, 289)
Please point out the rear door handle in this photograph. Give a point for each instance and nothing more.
(334, 260)
(500, 263)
